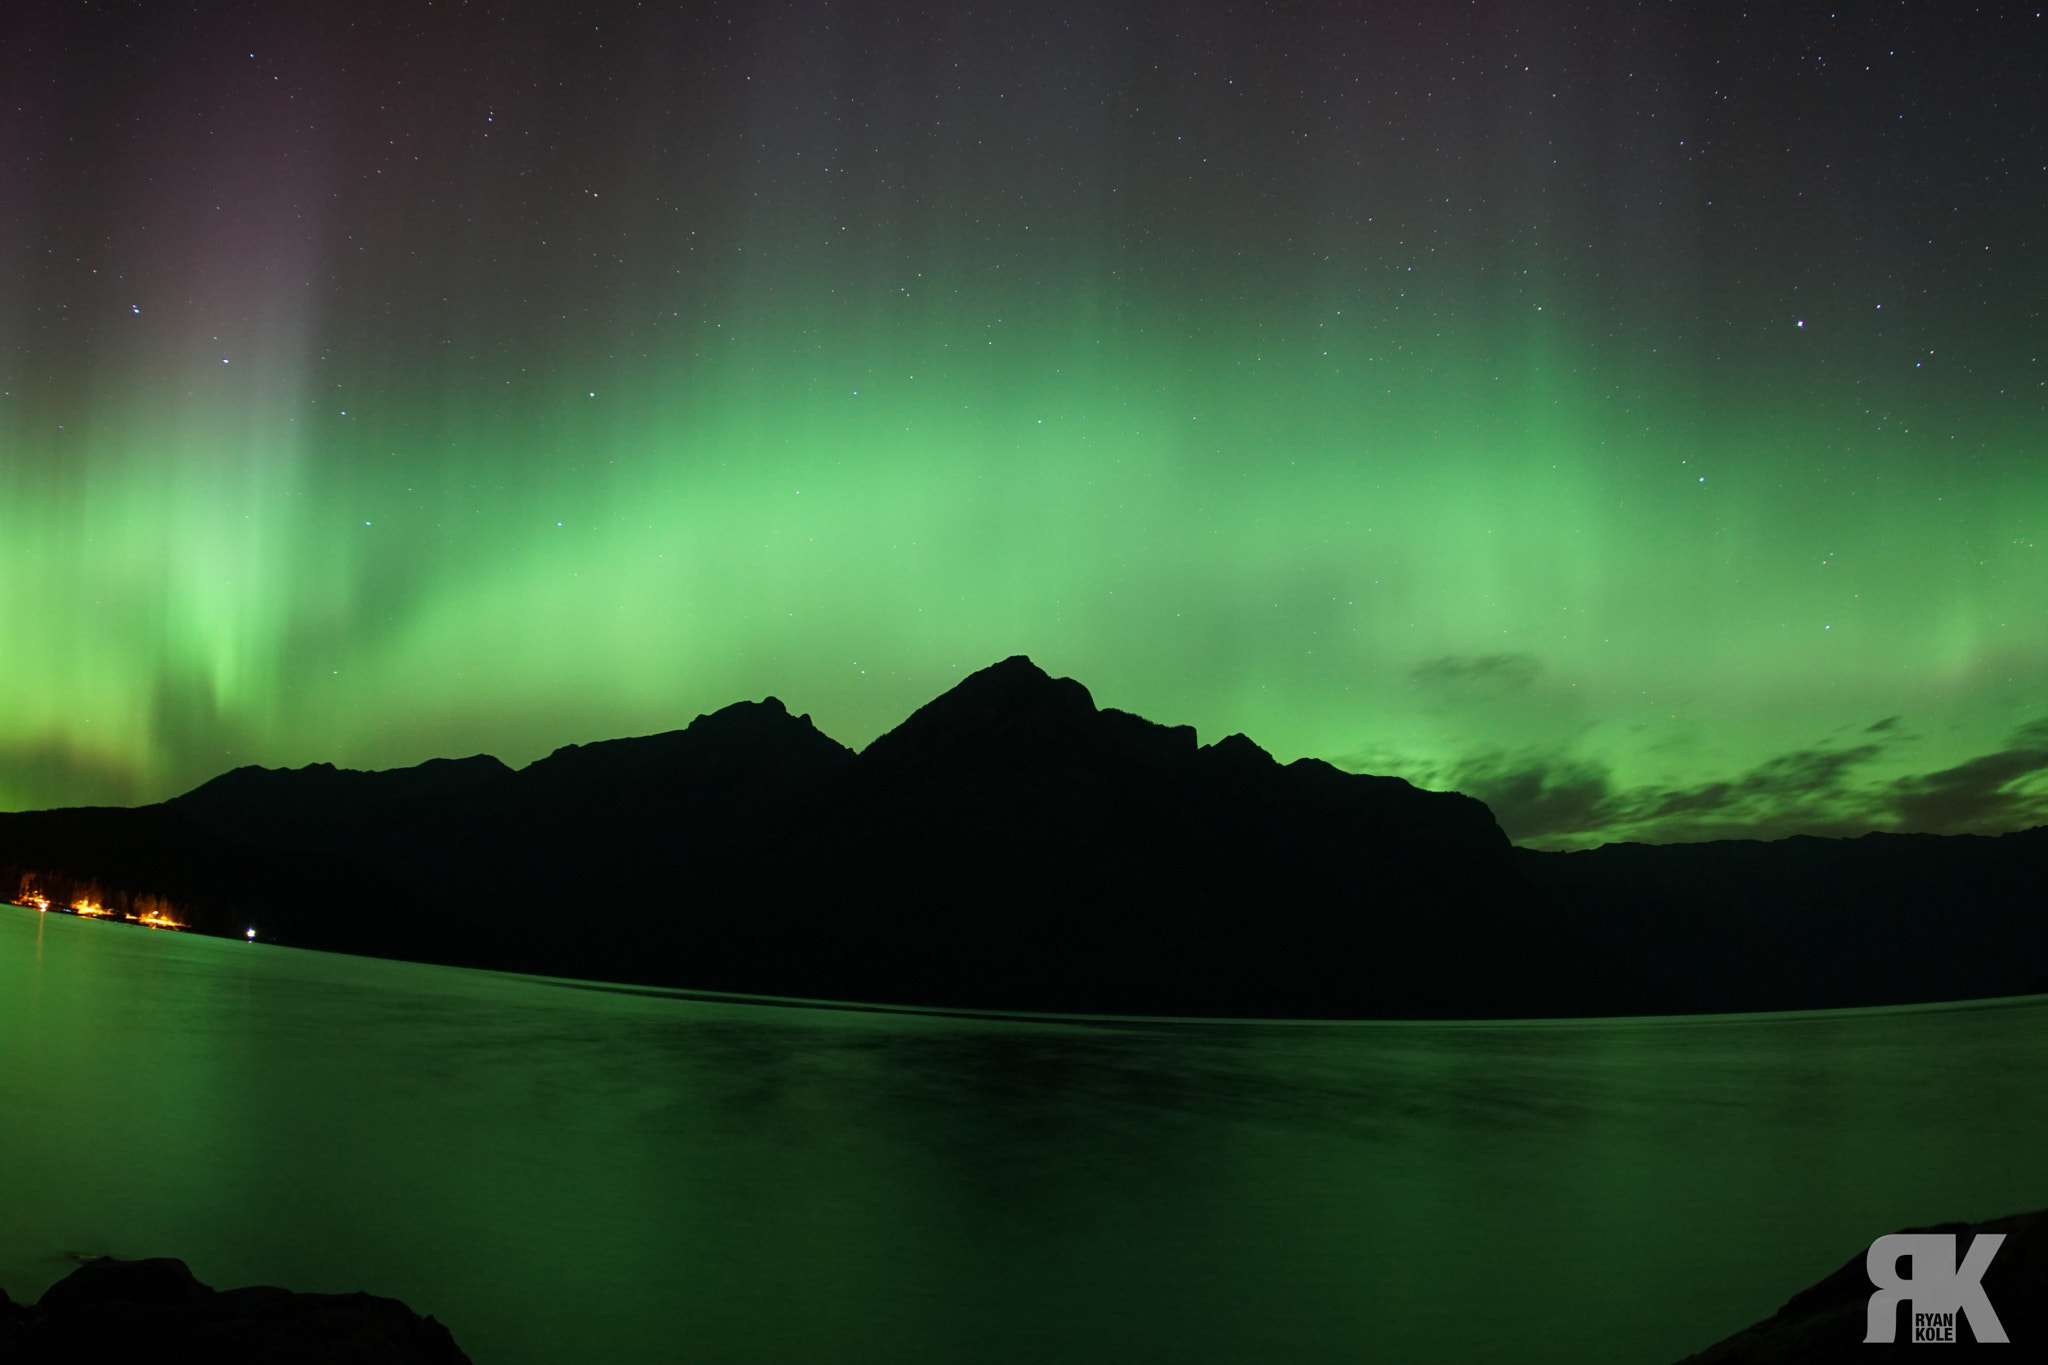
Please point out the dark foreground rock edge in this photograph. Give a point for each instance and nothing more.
(1825, 1323)
(155, 1310)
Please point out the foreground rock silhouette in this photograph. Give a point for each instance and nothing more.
(1012, 846)
(1825, 1323)
(110, 1311)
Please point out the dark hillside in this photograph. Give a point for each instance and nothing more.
(1008, 846)
(1012, 846)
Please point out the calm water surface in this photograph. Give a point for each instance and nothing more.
(567, 1174)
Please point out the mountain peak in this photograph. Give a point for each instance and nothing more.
(1008, 713)
(435, 778)
(746, 734)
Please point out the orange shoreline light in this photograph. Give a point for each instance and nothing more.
(89, 909)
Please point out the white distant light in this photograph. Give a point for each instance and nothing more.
(1801, 322)
(252, 933)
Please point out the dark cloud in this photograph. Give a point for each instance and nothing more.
(1988, 792)
(1497, 672)
(1807, 791)
(1533, 799)
(1558, 800)
(1878, 727)
(1552, 800)
(1804, 775)
(51, 773)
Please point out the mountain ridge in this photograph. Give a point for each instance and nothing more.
(1011, 845)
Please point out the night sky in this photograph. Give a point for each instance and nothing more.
(1635, 415)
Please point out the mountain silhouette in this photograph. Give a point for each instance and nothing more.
(1807, 923)
(1013, 846)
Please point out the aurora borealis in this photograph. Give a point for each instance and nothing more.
(1634, 415)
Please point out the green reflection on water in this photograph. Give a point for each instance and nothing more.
(564, 1174)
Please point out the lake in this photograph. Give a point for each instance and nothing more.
(565, 1173)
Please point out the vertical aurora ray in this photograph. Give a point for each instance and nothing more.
(1452, 417)
(152, 553)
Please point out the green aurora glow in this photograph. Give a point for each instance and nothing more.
(1634, 492)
